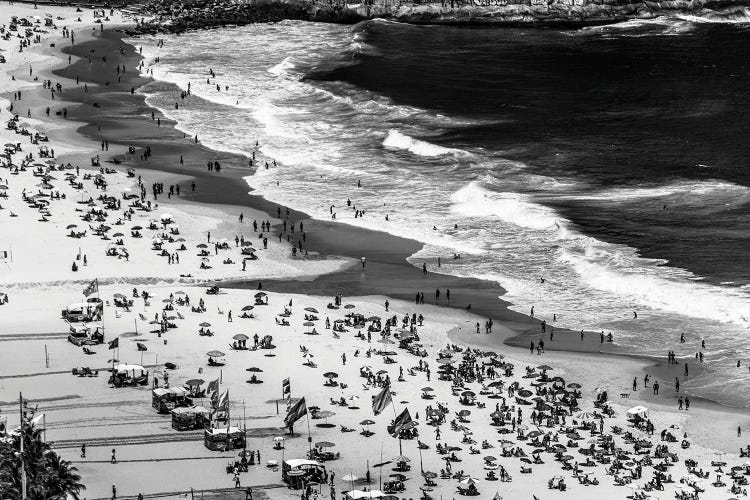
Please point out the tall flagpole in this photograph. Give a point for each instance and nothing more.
(23, 464)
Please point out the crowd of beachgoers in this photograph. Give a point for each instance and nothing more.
(114, 301)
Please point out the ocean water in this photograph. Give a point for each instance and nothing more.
(612, 162)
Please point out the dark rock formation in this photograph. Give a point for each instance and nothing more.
(182, 15)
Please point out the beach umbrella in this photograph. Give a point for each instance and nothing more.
(398, 476)
(278, 439)
(205, 324)
(373, 318)
(179, 292)
(525, 393)
(585, 415)
(468, 394)
(312, 310)
(468, 481)
(425, 488)
(215, 354)
(324, 444)
(248, 308)
(201, 245)
(325, 414)
(260, 294)
(136, 228)
(429, 474)
(71, 226)
(489, 458)
(349, 306)
(240, 336)
(253, 369)
(497, 415)
(119, 296)
(401, 458)
(195, 382)
(117, 235)
(574, 385)
(308, 323)
(367, 422)
(427, 389)
(331, 375)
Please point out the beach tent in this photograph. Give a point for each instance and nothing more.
(638, 411)
(357, 494)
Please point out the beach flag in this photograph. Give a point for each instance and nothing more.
(296, 412)
(92, 288)
(141, 347)
(213, 386)
(286, 389)
(382, 400)
(223, 401)
(404, 418)
(115, 343)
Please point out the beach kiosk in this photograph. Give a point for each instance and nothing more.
(224, 439)
(81, 312)
(190, 418)
(83, 335)
(124, 375)
(166, 400)
(298, 470)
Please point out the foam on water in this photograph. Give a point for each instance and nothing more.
(475, 201)
(397, 140)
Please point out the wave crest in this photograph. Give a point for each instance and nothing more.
(397, 140)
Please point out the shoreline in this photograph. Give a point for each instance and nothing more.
(87, 411)
(387, 273)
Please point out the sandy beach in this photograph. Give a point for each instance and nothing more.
(176, 273)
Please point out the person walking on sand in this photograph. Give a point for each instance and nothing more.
(113, 460)
(364, 261)
(114, 492)
(343, 358)
(739, 431)
(83, 450)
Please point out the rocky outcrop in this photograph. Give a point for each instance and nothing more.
(183, 15)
